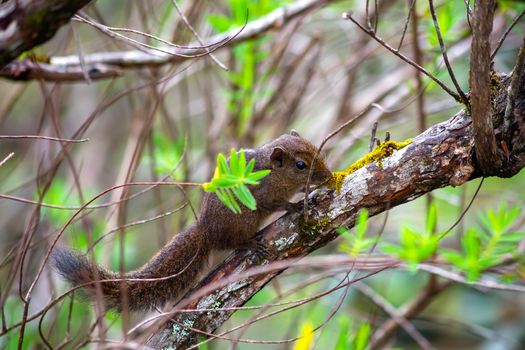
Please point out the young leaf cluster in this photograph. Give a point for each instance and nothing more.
(415, 246)
(231, 179)
(355, 244)
(245, 75)
(353, 339)
(487, 247)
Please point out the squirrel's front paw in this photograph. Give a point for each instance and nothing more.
(259, 249)
(294, 207)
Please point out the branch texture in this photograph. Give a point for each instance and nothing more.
(486, 150)
(26, 24)
(441, 156)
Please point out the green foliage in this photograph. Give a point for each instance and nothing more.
(487, 247)
(357, 243)
(450, 15)
(349, 339)
(168, 153)
(58, 194)
(243, 75)
(416, 247)
(230, 181)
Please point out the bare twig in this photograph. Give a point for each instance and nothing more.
(403, 57)
(504, 36)
(196, 35)
(9, 156)
(464, 98)
(395, 315)
(413, 308)
(40, 137)
(411, 13)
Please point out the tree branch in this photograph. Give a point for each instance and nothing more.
(439, 157)
(486, 151)
(111, 61)
(26, 24)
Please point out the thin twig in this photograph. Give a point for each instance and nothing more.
(504, 36)
(464, 98)
(413, 308)
(403, 57)
(40, 137)
(196, 35)
(395, 315)
(405, 27)
(9, 156)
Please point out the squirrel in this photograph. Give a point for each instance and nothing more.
(178, 263)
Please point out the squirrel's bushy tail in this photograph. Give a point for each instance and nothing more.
(166, 276)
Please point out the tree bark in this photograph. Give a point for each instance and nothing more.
(441, 156)
(486, 150)
(25, 24)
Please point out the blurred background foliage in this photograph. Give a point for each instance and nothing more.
(312, 74)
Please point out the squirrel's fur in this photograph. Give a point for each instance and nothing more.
(178, 263)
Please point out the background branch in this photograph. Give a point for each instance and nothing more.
(107, 64)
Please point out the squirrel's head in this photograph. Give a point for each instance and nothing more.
(292, 157)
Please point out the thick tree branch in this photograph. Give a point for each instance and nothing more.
(439, 157)
(26, 24)
(486, 150)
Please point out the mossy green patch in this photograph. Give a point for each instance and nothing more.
(313, 226)
(380, 152)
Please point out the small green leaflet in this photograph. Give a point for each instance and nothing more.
(230, 181)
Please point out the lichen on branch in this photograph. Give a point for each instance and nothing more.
(380, 152)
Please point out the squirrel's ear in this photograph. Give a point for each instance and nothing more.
(277, 157)
(294, 133)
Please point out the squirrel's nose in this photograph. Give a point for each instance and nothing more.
(321, 176)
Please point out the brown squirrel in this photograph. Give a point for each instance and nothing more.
(289, 158)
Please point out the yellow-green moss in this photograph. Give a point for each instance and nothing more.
(382, 151)
(312, 226)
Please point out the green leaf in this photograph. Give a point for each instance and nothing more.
(242, 163)
(249, 168)
(233, 201)
(222, 194)
(256, 176)
(226, 181)
(362, 223)
(219, 23)
(231, 178)
(392, 249)
(430, 225)
(245, 196)
(362, 336)
(344, 332)
(513, 237)
(453, 257)
(235, 164)
(222, 165)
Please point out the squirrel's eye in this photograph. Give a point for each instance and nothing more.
(300, 165)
